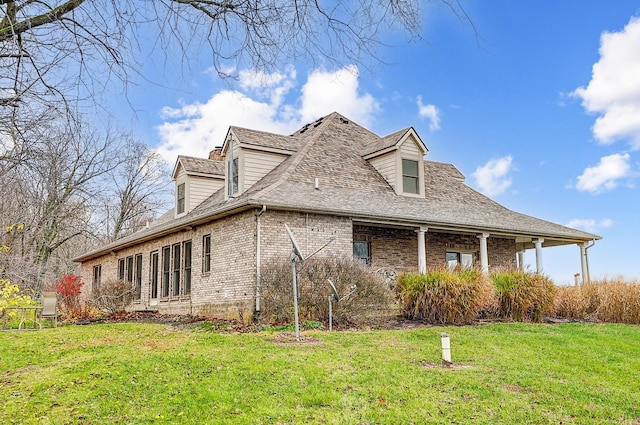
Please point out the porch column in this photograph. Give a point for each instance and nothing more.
(422, 250)
(538, 244)
(583, 260)
(521, 260)
(484, 258)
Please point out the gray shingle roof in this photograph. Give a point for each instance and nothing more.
(202, 165)
(331, 150)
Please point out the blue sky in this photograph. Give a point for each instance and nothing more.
(540, 110)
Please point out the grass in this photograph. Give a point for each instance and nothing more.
(158, 374)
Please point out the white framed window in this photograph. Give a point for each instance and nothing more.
(459, 259)
(233, 177)
(154, 267)
(181, 198)
(410, 176)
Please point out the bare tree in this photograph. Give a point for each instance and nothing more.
(139, 189)
(53, 54)
(51, 195)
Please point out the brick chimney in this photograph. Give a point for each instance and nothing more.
(216, 154)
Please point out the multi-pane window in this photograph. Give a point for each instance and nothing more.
(138, 277)
(206, 253)
(459, 259)
(97, 276)
(166, 270)
(410, 176)
(362, 252)
(130, 269)
(180, 199)
(154, 275)
(121, 269)
(176, 269)
(187, 268)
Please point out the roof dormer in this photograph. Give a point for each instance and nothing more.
(250, 155)
(398, 157)
(196, 179)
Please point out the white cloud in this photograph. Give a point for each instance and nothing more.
(605, 175)
(431, 112)
(259, 103)
(589, 224)
(493, 178)
(614, 89)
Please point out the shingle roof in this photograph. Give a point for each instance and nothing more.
(265, 139)
(331, 150)
(385, 142)
(202, 165)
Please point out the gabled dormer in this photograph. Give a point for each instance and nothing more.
(196, 179)
(398, 157)
(250, 155)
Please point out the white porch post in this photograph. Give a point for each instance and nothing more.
(583, 260)
(422, 250)
(521, 260)
(484, 257)
(538, 244)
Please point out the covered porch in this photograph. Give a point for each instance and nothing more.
(415, 248)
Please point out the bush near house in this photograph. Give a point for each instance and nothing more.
(113, 296)
(372, 303)
(521, 295)
(443, 296)
(607, 300)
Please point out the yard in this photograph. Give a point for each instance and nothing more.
(505, 373)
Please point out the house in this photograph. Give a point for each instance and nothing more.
(377, 197)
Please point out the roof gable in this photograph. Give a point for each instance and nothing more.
(198, 166)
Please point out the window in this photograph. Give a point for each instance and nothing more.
(206, 253)
(410, 176)
(166, 267)
(180, 199)
(154, 275)
(187, 267)
(97, 275)
(138, 274)
(176, 270)
(362, 252)
(233, 176)
(462, 259)
(121, 269)
(130, 269)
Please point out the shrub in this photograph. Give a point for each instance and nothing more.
(522, 295)
(614, 301)
(12, 296)
(113, 296)
(443, 296)
(68, 289)
(370, 304)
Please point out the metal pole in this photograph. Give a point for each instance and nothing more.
(330, 313)
(295, 299)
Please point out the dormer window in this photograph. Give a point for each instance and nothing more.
(180, 199)
(233, 180)
(410, 176)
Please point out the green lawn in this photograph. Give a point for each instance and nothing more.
(152, 373)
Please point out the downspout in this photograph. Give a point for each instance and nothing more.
(258, 237)
(586, 258)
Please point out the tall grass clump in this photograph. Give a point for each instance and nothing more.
(522, 295)
(443, 296)
(370, 304)
(608, 300)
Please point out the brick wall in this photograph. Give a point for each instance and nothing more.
(229, 289)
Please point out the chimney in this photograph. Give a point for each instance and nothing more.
(216, 154)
